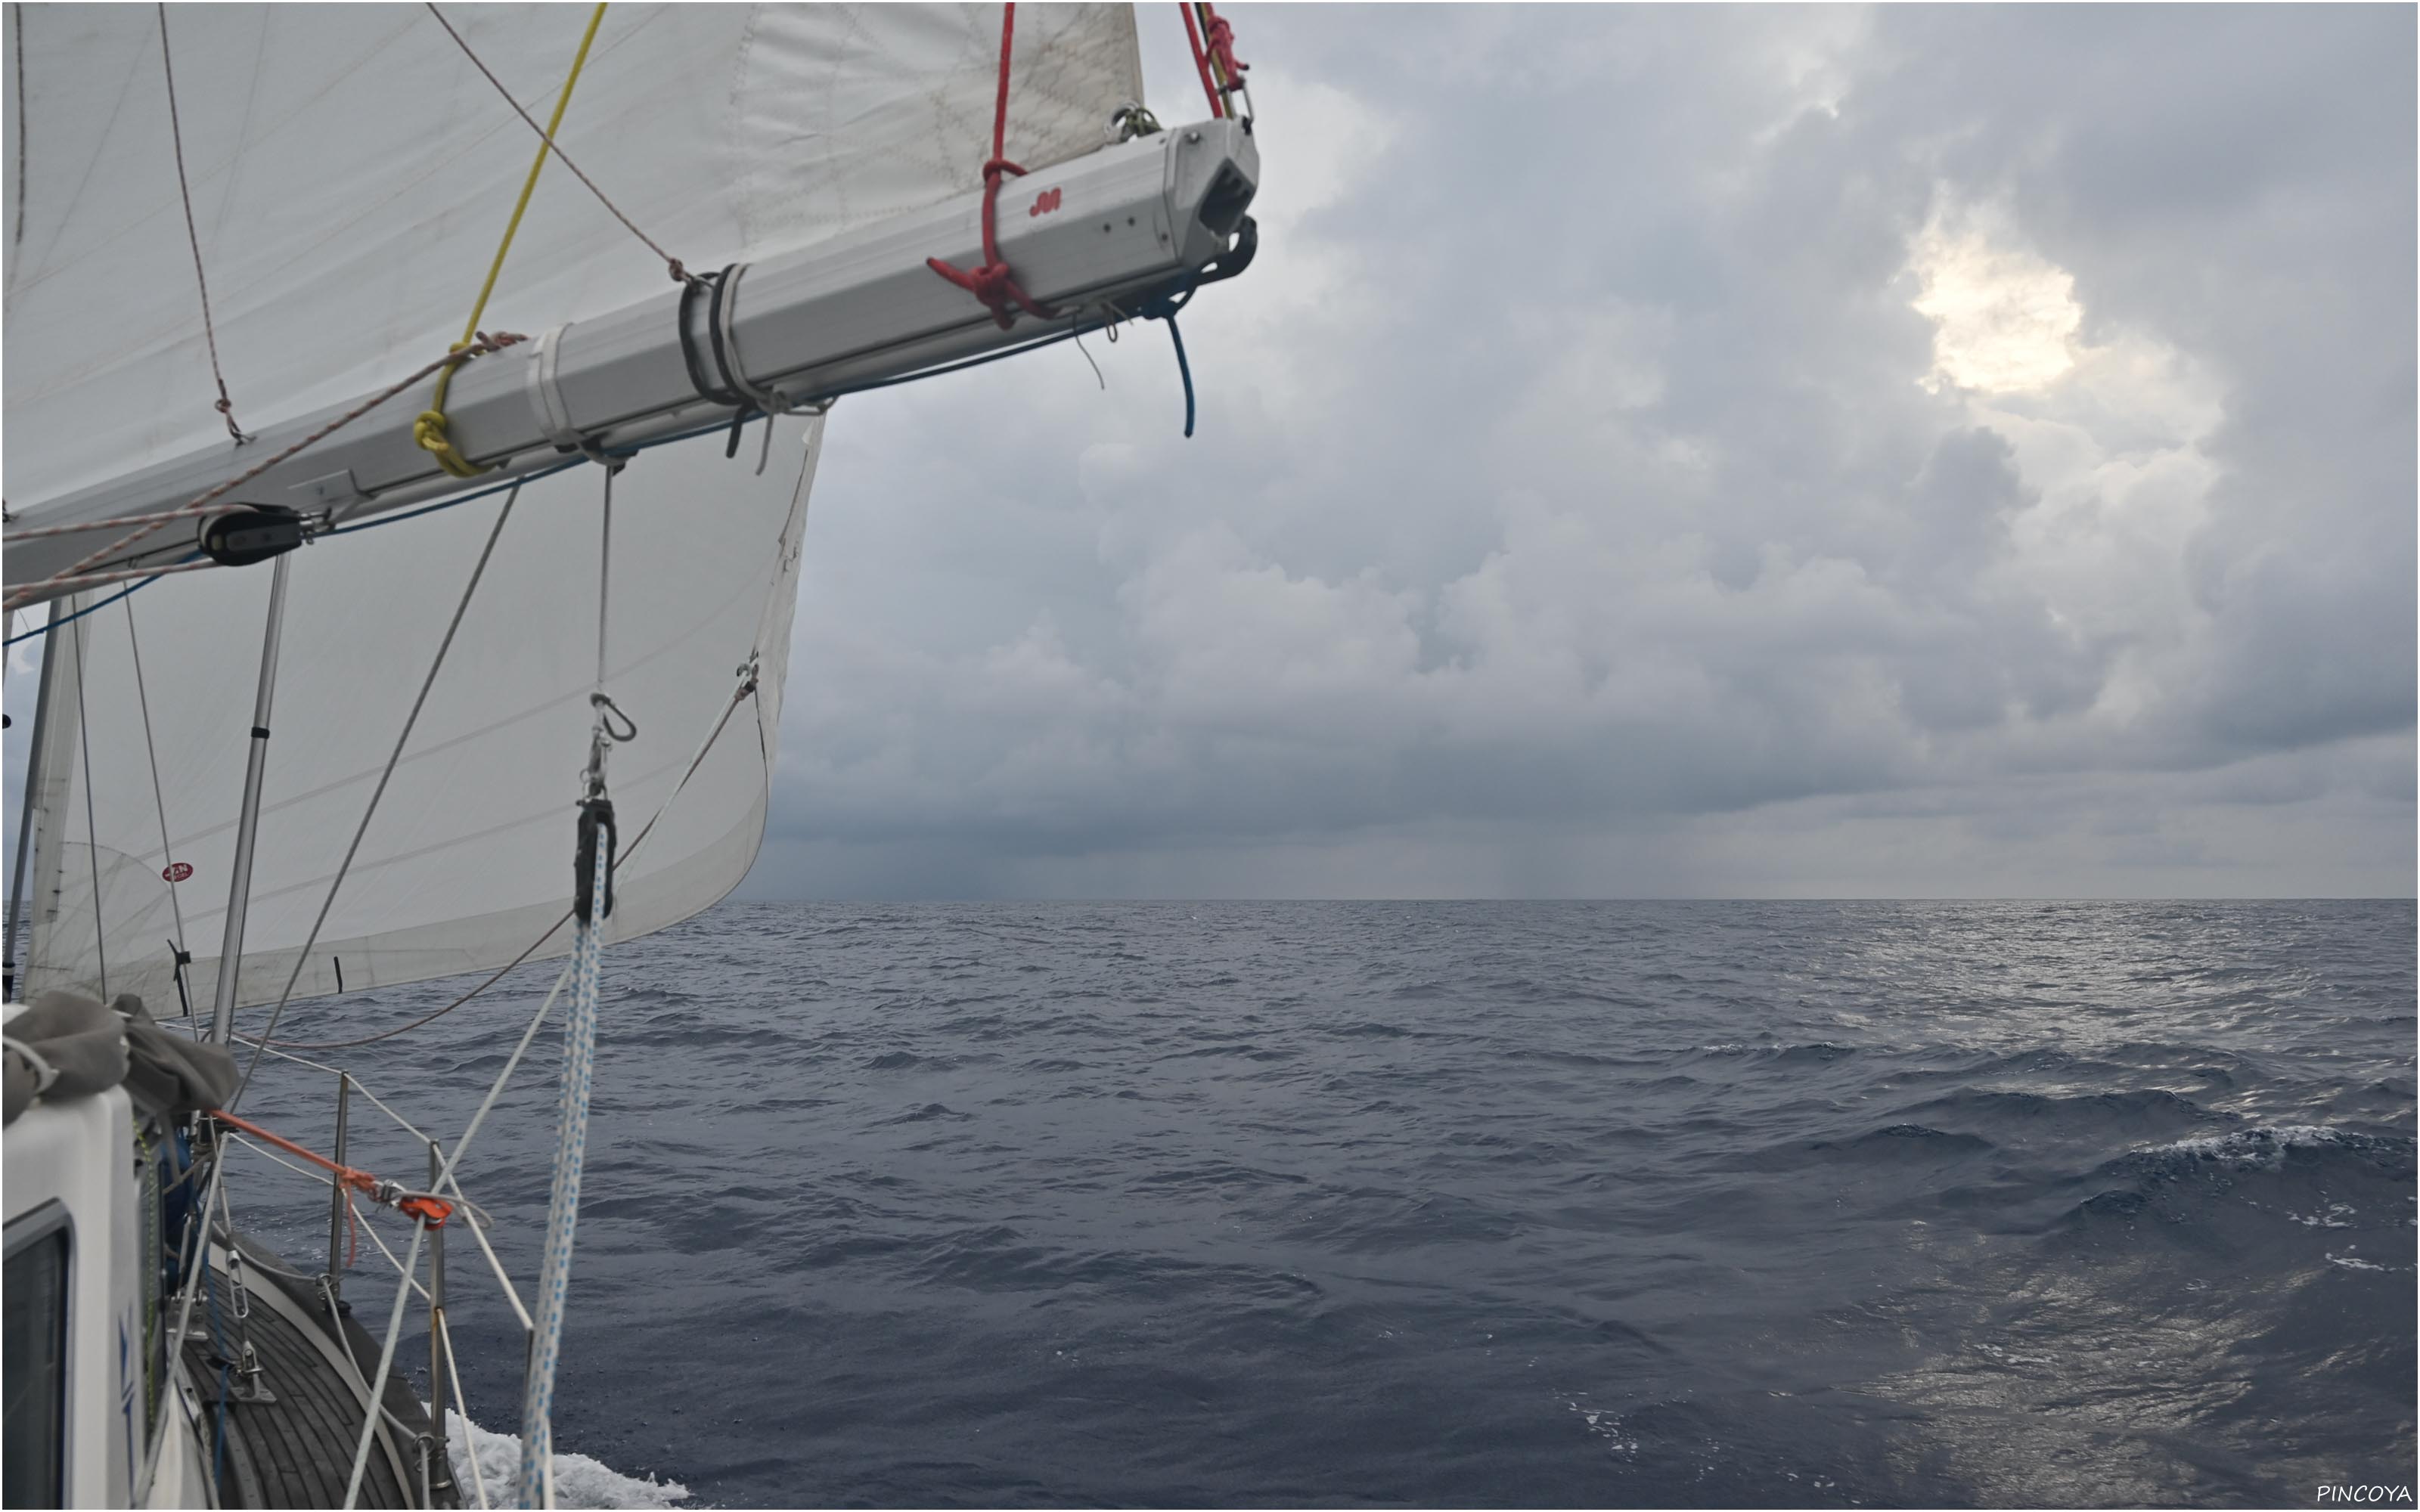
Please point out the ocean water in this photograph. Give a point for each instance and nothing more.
(1501, 1204)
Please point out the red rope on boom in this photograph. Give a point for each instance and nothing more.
(1201, 60)
(992, 283)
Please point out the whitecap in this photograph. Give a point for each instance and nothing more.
(2266, 1144)
(578, 1481)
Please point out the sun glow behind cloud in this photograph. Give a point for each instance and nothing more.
(2004, 318)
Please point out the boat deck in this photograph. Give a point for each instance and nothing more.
(292, 1445)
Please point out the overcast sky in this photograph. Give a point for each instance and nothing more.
(1690, 451)
(1697, 451)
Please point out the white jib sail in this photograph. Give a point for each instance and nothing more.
(350, 174)
(466, 863)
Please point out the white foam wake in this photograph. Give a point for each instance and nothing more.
(578, 1481)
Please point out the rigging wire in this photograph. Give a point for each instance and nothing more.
(354, 1228)
(478, 1479)
(91, 839)
(17, 237)
(158, 802)
(274, 1046)
(386, 1361)
(40, 630)
(26, 834)
(679, 273)
(361, 1088)
(428, 430)
(528, 185)
(371, 1229)
(302, 956)
(225, 407)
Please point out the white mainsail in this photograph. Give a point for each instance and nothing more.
(350, 172)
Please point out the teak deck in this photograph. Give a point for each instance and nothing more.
(297, 1450)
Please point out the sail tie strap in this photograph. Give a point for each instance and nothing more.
(425, 1205)
(428, 430)
(767, 400)
(993, 282)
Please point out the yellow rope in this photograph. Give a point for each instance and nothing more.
(429, 428)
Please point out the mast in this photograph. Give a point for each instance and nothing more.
(25, 809)
(248, 823)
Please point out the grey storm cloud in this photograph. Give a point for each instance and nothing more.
(1679, 449)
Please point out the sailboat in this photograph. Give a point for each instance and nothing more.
(379, 646)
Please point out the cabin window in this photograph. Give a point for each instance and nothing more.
(34, 1299)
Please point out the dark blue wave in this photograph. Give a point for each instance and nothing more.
(1940, 1203)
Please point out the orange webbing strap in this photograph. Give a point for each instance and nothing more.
(424, 1206)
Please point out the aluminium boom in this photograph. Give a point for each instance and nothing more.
(1117, 227)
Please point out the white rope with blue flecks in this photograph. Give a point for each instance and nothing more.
(536, 1486)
